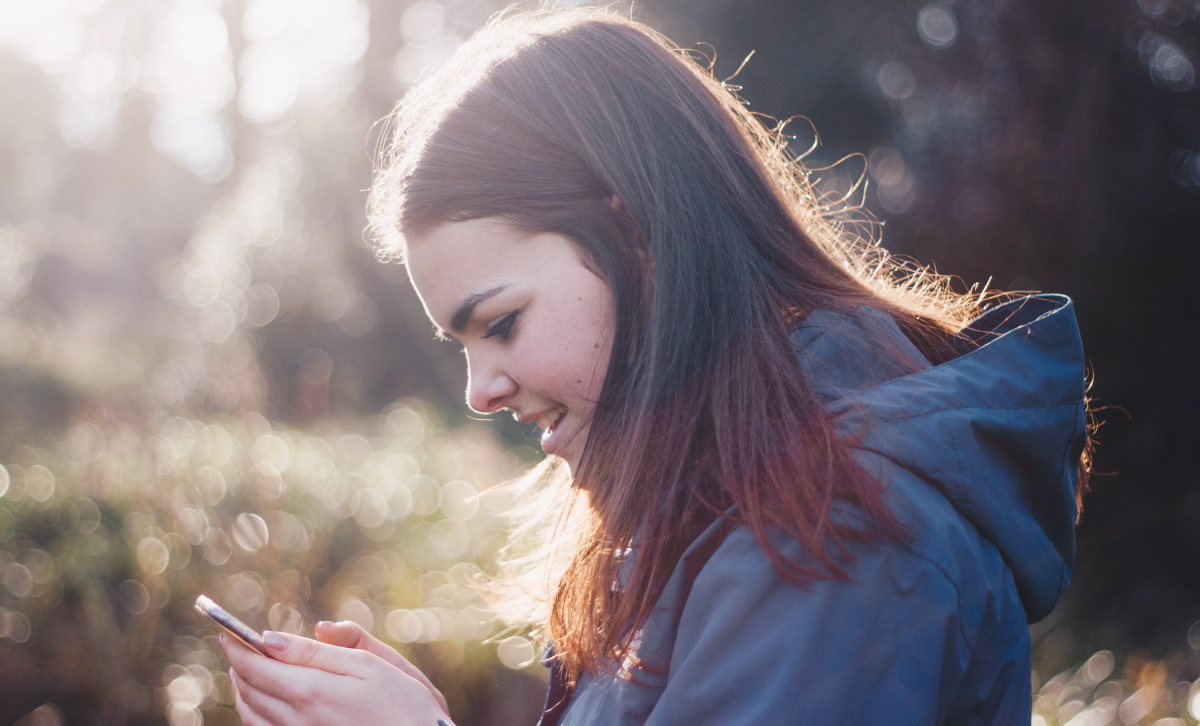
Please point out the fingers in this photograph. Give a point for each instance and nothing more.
(295, 650)
(273, 692)
(247, 713)
(268, 685)
(245, 699)
(242, 709)
(241, 658)
(349, 634)
(299, 690)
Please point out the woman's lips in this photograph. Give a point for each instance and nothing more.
(553, 434)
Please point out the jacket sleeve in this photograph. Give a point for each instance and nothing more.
(751, 648)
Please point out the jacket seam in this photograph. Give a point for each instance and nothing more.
(946, 574)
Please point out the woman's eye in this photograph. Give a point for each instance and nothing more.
(503, 327)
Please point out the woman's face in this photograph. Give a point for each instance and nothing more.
(536, 324)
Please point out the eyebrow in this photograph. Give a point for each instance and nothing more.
(463, 314)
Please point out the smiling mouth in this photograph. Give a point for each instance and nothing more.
(550, 422)
(551, 434)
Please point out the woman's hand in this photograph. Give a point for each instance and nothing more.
(346, 676)
(349, 634)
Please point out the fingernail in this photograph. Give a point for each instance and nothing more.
(324, 624)
(274, 640)
(221, 639)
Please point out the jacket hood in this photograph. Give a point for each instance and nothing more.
(999, 429)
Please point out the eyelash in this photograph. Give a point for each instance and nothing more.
(503, 327)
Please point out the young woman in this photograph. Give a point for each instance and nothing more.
(802, 484)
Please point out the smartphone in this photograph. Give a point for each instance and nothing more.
(232, 625)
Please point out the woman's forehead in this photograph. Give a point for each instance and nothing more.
(453, 250)
(458, 263)
(452, 262)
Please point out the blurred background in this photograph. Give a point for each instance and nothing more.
(208, 383)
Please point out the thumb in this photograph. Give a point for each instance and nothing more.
(346, 634)
(296, 650)
(349, 634)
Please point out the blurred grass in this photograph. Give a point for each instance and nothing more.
(107, 536)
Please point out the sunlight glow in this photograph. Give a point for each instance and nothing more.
(49, 32)
(188, 70)
(422, 21)
(428, 44)
(299, 51)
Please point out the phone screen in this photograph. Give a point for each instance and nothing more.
(232, 625)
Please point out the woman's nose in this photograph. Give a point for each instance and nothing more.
(488, 387)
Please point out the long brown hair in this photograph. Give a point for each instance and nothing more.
(712, 238)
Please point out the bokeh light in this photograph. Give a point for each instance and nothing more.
(937, 26)
(516, 651)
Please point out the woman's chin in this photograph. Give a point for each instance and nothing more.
(566, 445)
(567, 456)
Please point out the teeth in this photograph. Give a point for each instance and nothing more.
(548, 422)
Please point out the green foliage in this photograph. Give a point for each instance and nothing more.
(107, 537)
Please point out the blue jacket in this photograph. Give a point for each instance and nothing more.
(978, 456)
